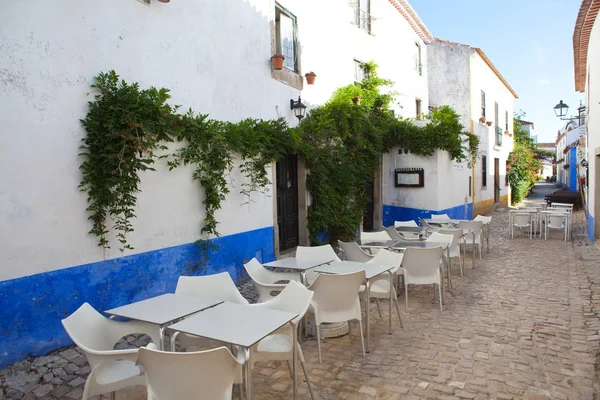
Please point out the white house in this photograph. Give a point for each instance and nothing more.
(464, 78)
(215, 58)
(586, 51)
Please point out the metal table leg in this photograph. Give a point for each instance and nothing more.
(391, 287)
(248, 373)
(368, 298)
(448, 264)
(473, 249)
(487, 236)
(294, 360)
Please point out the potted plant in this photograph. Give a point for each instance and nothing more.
(482, 120)
(310, 77)
(277, 61)
(489, 123)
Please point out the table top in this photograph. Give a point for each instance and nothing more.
(422, 244)
(348, 267)
(524, 210)
(292, 263)
(380, 243)
(416, 229)
(240, 324)
(163, 309)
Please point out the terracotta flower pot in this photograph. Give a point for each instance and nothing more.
(482, 120)
(310, 77)
(277, 61)
(489, 123)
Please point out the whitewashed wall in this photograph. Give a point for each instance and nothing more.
(214, 59)
(593, 127)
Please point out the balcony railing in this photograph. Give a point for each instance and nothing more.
(361, 18)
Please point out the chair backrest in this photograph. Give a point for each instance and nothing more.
(424, 224)
(336, 296)
(438, 237)
(483, 218)
(381, 236)
(294, 298)
(411, 223)
(477, 226)
(456, 235)
(522, 219)
(90, 330)
(353, 252)
(386, 257)
(393, 233)
(440, 217)
(216, 286)
(256, 271)
(422, 266)
(316, 253)
(189, 376)
(557, 220)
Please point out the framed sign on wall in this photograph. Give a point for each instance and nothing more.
(409, 177)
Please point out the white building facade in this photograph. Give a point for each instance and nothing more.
(215, 58)
(586, 50)
(464, 78)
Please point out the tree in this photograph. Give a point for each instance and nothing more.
(523, 162)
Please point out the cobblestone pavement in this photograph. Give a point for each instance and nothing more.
(523, 324)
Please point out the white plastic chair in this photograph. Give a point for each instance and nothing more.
(393, 234)
(457, 234)
(96, 336)
(380, 286)
(315, 254)
(216, 287)
(208, 374)
(424, 224)
(367, 237)
(486, 221)
(476, 226)
(336, 300)
(353, 252)
(294, 298)
(440, 217)
(422, 267)
(410, 223)
(520, 221)
(556, 221)
(264, 280)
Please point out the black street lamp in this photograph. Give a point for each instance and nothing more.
(561, 109)
(298, 108)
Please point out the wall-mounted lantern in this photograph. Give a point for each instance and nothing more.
(298, 108)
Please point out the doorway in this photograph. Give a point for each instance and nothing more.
(596, 187)
(369, 211)
(496, 180)
(287, 201)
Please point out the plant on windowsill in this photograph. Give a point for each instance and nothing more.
(482, 120)
(566, 166)
(507, 133)
(277, 61)
(489, 123)
(310, 77)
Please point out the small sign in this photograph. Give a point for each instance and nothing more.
(409, 177)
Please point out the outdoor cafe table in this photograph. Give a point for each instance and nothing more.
(465, 231)
(163, 310)
(371, 271)
(293, 264)
(535, 211)
(241, 325)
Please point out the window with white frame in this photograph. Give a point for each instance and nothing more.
(418, 58)
(360, 72)
(361, 14)
(286, 38)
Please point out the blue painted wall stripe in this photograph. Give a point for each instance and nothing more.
(590, 227)
(573, 168)
(31, 307)
(397, 213)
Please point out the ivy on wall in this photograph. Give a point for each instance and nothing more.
(341, 143)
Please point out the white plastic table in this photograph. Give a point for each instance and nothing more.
(241, 325)
(163, 310)
(371, 271)
(292, 263)
(526, 210)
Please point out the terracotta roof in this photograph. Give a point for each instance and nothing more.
(410, 15)
(581, 39)
(487, 61)
(520, 121)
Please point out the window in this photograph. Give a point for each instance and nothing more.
(418, 64)
(285, 31)
(360, 71)
(482, 103)
(506, 121)
(498, 129)
(418, 108)
(361, 14)
(484, 171)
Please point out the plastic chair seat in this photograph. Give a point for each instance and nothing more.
(112, 372)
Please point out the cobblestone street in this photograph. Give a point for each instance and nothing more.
(523, 324)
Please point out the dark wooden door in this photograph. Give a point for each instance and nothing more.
(496, 180)
(287, 202)
(369, 207)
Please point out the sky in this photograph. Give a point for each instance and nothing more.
(529, 41)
